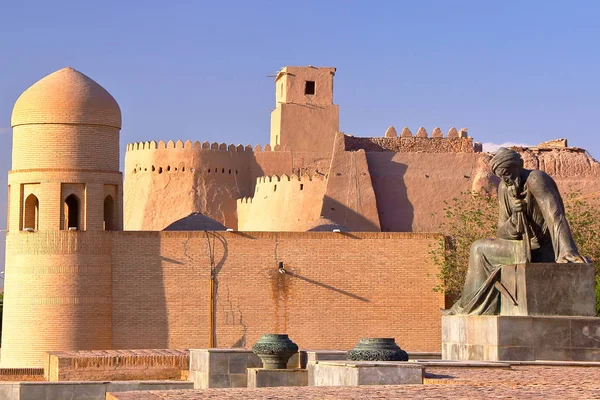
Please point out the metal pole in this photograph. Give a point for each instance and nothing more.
(211, 312)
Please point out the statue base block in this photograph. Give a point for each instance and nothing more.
(358, 373)
(520, 338)
(548, 289)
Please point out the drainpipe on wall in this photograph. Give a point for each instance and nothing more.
(211, 312)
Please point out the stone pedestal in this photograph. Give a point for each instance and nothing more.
(547, 312)
(548, 289)
(261, 377)
(520, 338)
(225, 368)
(356, 373)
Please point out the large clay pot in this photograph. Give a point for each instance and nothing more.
(377, 349)
(274, 350)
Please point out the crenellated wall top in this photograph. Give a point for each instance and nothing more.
(455, 141)
(189, 145)
(290, 178)
(422, 133)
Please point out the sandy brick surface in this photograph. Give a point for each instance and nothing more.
(521, 382)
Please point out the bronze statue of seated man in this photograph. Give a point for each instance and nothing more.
(532, 227)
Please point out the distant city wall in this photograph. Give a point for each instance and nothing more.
(282, 203)
(410, 185)
(167, 181)
(412, 188)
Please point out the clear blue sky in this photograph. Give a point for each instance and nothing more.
(518, 71)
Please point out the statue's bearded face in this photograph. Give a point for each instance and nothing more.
(509, 174)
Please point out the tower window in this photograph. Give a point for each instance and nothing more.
(310, 87)
(71, 214)
(32, 211)
(109, 214)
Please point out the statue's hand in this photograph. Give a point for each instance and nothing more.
(572, 258)
(518, 205)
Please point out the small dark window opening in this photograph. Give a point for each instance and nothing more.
(275, 188)
(229, 172)
(223, 170)
(310, 87)
(209, 170)
(168, 168)
(302, 186)
(153, 168)
(72, 212)
(160, 170)
(109, 214)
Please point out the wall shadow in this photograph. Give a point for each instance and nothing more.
(396, 212)
(217, 244)
(139, 309)
(329, 287)
(347, 217)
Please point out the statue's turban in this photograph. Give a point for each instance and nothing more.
(504, 158)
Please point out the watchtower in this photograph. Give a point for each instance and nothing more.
(65, 190)
(305, 118)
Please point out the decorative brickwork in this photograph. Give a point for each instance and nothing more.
(116, 365)
(411, 144)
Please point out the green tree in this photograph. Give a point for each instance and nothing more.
(583, 213)
(474, 216)
(467, 218)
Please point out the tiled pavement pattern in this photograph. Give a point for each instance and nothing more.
(519, 382)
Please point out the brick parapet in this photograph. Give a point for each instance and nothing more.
(286, 235)
(411, 144)
(94, 365)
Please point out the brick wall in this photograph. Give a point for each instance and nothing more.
(57, 295)
(64, 290)
(338, 288)
(116, 365)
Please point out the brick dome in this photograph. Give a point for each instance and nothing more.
(66, 97)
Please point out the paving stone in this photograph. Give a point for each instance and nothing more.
(518, 382)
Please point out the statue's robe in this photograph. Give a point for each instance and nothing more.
(549, 235)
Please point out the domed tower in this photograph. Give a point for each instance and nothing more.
(65, 190)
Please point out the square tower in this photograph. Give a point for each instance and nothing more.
(305, 118)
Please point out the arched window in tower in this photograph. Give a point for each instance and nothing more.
(71, 212)
(31, 215)
(109, 214)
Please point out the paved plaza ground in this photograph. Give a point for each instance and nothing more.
(517, 382)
